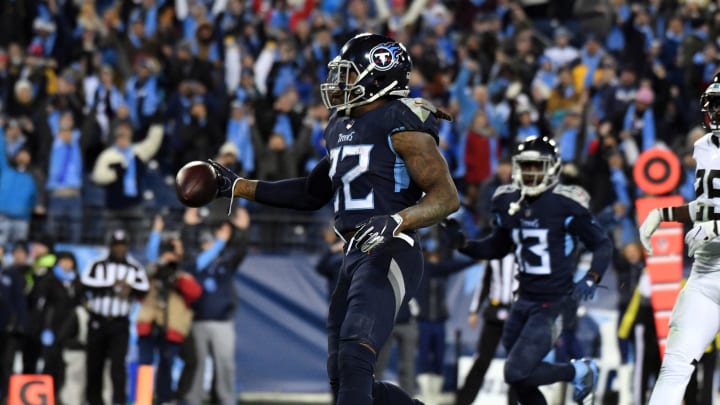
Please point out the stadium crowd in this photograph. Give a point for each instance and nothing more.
(101, 102)
(113, 97)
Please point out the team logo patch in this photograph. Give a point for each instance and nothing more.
(384, 56)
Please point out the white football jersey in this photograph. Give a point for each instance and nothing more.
(706, 152)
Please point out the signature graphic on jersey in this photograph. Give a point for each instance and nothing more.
(384, 56)
(346, 137)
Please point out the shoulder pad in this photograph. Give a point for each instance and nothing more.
(575, 193)
(704, 141)
(504, 189)
(423, 108)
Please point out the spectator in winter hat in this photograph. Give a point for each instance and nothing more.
(22, 104)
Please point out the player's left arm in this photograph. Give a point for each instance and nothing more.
(596, 240)
(429, 171)
(678, 213)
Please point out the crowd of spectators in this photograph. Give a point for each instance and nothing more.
(114, 96)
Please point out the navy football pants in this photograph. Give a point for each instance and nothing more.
(371, 288)
(528, 338)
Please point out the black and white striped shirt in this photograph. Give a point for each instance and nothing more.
(101, 280)
(498, 284)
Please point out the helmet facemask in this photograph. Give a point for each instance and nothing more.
(710, 107)
(338, 91)
(534, 172)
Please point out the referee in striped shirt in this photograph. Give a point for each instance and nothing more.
(497, 288)
(111, 284)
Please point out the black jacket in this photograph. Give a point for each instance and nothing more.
(56, 305)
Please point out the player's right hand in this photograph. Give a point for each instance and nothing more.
(377, 230)
(226, 179)
(453, 233)
(648, 227)
(701, 234)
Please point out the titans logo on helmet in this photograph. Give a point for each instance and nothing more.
(383, 56)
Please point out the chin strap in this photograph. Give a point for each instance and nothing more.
(232, 196)
(515, 205)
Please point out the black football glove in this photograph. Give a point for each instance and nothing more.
(453, 233)
(376, 230)
(226, 179)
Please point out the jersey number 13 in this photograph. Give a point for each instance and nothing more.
(532, 249)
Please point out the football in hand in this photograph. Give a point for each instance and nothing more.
(196, 184)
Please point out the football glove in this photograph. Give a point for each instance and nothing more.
(376, 231)
(648, 227)
(701, 234)
(453, 233)
(585, 288)
(226, 179)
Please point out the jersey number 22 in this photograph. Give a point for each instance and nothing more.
(362, 166)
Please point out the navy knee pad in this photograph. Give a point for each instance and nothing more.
(515, 373)
(356, 364)
(363, 327)
(354, 355)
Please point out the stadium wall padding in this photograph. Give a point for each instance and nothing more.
(280, 323)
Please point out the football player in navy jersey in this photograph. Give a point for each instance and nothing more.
(387, 178)
(542, 221)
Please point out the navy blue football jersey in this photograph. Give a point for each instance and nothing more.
(368, 177)
(545, 232)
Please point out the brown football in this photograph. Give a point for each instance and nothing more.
(196, 184)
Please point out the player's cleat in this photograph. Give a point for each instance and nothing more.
(585, 381)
